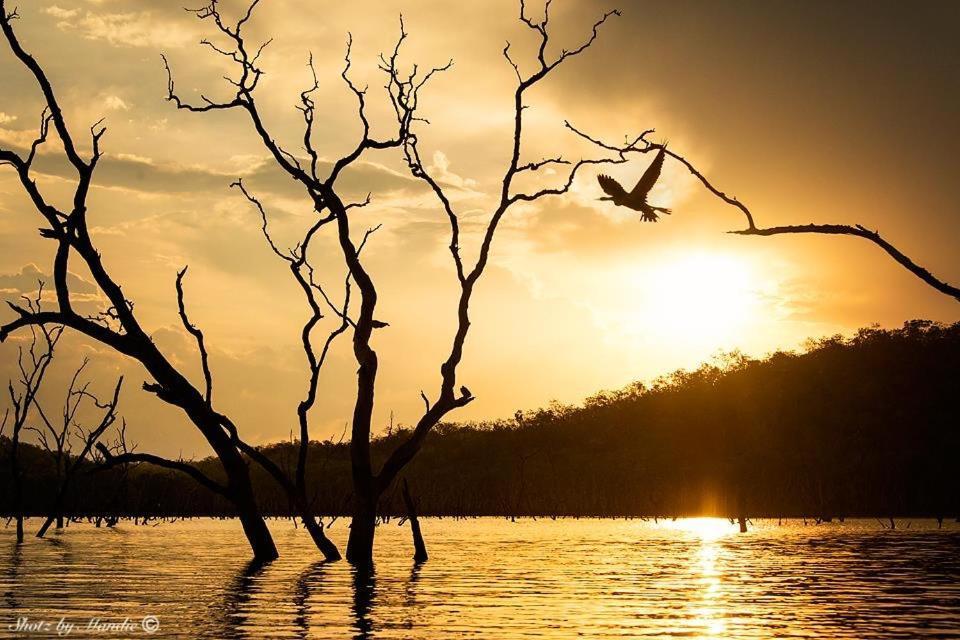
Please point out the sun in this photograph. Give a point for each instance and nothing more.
(698, 298)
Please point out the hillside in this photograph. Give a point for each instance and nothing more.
(860, 426)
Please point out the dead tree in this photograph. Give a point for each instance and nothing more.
(117, 326)
(419, 546)
(321, 188)
(57, 438)
(317, 298)
(100, 456)
(33, 363)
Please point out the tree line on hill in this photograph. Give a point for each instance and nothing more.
(859, 426)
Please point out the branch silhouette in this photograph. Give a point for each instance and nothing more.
(198, 336)
(855, 230)
(448, 399)
(112, 460)
(32, 364)
(62, 434)
(117, 327)
(403, 88)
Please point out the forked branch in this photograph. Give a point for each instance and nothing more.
(449, 399)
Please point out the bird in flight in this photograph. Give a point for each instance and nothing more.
(637, 199)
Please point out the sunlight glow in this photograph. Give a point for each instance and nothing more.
(710, 295)
(697, 299)
(707, 529)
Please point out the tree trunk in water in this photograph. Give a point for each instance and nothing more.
(258, 535)
(254, 527)
(56, 515)
(46, 525)
(326, 546)
(17, 482)
(239, 489)
(363, 527)
(419, 548)
(741, 510)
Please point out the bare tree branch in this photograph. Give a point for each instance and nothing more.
(855, 230)
(112, 460)
(198, 336)
(61, 436)
(403, 92)
(860, 231)
(535, 166)
(117, 326)
(448, 399)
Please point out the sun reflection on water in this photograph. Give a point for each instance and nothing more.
(707, 529)
(545, 580)
(707, 611)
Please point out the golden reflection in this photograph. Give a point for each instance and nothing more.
(707, 529)
(707, 618)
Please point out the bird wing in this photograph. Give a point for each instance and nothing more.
(611, 186)
(650, 176)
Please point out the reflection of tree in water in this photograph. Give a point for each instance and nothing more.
(231, 617)
(364, 593)
(308, 579)
(410, 595)
(13, 572)
(363, 583)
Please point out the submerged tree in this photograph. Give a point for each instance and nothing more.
(58, 438)
(419, 546)
(32, 364)
(321, 187)
(117, 326)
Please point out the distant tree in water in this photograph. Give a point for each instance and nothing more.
(33, 362)
(58, 436)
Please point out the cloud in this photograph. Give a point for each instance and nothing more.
(6, 119)
(440, 169)
(25, 281)
(144, 174)
(61, 13)
(84, 295)
(17, 138)
(134, 29)
(115, 103)
(569, 227)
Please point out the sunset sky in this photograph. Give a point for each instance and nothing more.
(830, 112)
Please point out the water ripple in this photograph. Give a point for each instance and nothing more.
(491, 578)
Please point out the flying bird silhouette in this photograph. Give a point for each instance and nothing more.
(637, 199)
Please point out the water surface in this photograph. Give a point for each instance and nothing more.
(490, 578)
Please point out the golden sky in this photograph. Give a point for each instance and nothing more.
(809, 112)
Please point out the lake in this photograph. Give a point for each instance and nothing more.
(491, 578)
